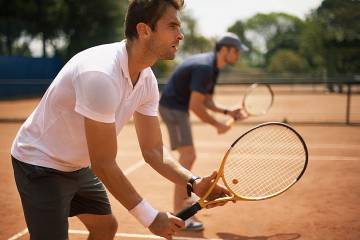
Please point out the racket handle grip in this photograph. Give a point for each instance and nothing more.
(189, 211)
(230, 122)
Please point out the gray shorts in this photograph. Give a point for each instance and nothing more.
(49, 197)
(178, 125)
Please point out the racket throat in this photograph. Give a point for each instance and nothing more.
(189, 212)
(221, 200)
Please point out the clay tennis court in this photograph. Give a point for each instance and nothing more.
(323, 205)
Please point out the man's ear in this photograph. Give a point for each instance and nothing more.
(143, 30)
(223, 50)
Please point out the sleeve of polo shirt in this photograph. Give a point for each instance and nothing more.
(95, 96)
(201, 79)
(150, 104)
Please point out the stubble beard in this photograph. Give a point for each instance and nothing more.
(160, 51)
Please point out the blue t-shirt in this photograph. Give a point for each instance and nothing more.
(197, 73)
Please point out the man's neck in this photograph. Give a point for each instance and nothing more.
(138, 59)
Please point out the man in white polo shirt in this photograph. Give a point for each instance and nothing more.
(76, 124)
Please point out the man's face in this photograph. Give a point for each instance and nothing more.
(166, 37)
(232, 56)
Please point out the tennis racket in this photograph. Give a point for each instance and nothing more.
(257, 100)
(262, 163)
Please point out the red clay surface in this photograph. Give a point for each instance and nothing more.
(323, 205)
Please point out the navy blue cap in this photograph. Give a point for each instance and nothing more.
(231, 39)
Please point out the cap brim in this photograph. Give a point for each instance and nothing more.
(243, 48)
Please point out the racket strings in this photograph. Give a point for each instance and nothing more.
(279, 178)
(258, 100)
(261, 187)
(264, 162)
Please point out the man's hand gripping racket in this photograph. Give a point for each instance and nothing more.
(257, 101)
(262, 163)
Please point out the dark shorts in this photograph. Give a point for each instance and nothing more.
(50, 196)
(178, 125)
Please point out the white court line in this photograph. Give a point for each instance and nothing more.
(128, 235)
(335, 146)
(127, 171)
(19, 234)
(142, 236)
(333, 158)
(134, 167)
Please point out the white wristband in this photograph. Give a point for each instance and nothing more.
(144, 213)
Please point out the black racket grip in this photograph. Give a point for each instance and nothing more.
(189, 211)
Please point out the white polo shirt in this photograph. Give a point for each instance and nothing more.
(95, 84)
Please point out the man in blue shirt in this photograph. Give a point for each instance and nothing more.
(191, 87)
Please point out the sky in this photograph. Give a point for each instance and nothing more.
(215, 16)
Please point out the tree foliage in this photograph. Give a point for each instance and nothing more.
(11, 25)
(193, 41)
(340, 33)
(79, 23)
(287, 61)
(96, 22)
(327, 40)
(274, 31)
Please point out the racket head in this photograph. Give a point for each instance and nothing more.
(258, 99)
(264, 162)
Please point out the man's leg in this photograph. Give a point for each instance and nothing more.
(92, 206)
(187, 158)
(100, 226)
(179, 128)
(45, 197)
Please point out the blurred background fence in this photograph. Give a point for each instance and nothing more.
(312, 62)
(299, 98)
(26, 76)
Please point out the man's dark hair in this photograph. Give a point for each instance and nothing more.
(148, 12)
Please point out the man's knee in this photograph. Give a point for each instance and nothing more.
(191, 156)
(112, 225)
(108, 225)
(187, 157)
(103, 227)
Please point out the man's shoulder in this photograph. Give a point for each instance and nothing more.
(102, 58)
(100, 50)
(202, 59)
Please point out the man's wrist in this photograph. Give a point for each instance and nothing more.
(190, 185)
(144, 213)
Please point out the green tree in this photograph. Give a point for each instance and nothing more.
(11, 25)
(340, 33)
(271, 32)
(90, 23)
(44, 18)
(75, 24)
(193, 42)
(287, 61)
(312, 45)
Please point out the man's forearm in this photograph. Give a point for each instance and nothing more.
(210, 104)
(201, 112)
(117, 183)
(161, 160)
